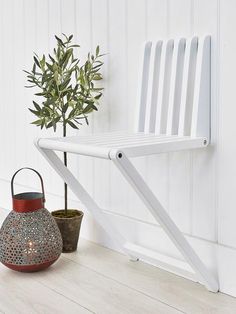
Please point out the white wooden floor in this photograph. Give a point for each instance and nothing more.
(98, 280)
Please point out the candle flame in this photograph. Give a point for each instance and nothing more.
(30, 243)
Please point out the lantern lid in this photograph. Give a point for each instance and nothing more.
(28, 201)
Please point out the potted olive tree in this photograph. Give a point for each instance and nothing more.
(67, 93)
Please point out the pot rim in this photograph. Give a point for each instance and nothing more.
(75, 217)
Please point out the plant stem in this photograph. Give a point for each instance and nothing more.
(65, 163)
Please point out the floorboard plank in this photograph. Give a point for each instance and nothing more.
(21, 294)
(97, 292)
(176, 291)
(98, 280)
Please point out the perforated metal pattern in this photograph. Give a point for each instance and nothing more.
(29, 238)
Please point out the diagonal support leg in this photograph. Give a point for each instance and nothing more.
(159, 213)
(85, 198)
(152, 203)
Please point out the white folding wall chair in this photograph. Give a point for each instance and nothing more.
(173, 114)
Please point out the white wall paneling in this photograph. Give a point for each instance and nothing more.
(118, 94)
(226, 143)
(180, 163)
(83, 34)
(156, 166)
(197, 188)
(136, 34)
(100, 26)
(9, 83)
(204, 165)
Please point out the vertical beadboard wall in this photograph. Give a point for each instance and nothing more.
(197, 188)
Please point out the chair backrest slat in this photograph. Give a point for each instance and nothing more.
(188, 86)
(174, 93)
(164, 84)
(202, 92)
(175, 87)
(153, 87)
(142, 90)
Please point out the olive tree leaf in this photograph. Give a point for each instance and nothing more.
(66, 88)
(37, 62)
(37, 106)
(72, 124)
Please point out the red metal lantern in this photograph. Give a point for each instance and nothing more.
(30, 239)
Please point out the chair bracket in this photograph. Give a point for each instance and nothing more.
(152, 203)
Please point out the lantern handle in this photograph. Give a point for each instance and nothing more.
(40, 177)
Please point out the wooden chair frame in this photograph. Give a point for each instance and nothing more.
(173, 115)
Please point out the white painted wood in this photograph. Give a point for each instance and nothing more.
(54, 22)
(79, 288)
(84, 36)
(101, 118)
(162, 261)
(188, 87)
(140, 144)
(43, 44)
(163, 147)
(205, 190)
(23, 294)
(144, 231)
(133, 177)
(143, 88)
(225, 137)
(137, 145)
(157, 210)
(157, 17)
(183, 294)
(7, 96)
(118, 95)
(226, 264)
(82, 149)
(202, 91)
(87, 278)
(180, 189)
(99, 293)
(163, 88)
(175, 87)
(151, 102)
(179, 163)
(68, 16)
(188, 183)
(18, 76)
(68, 27)
(54, 16)
(29, 46)
(136, 36)
(167, 69)
(81, 193)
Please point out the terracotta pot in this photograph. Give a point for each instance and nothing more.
(69, 228)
